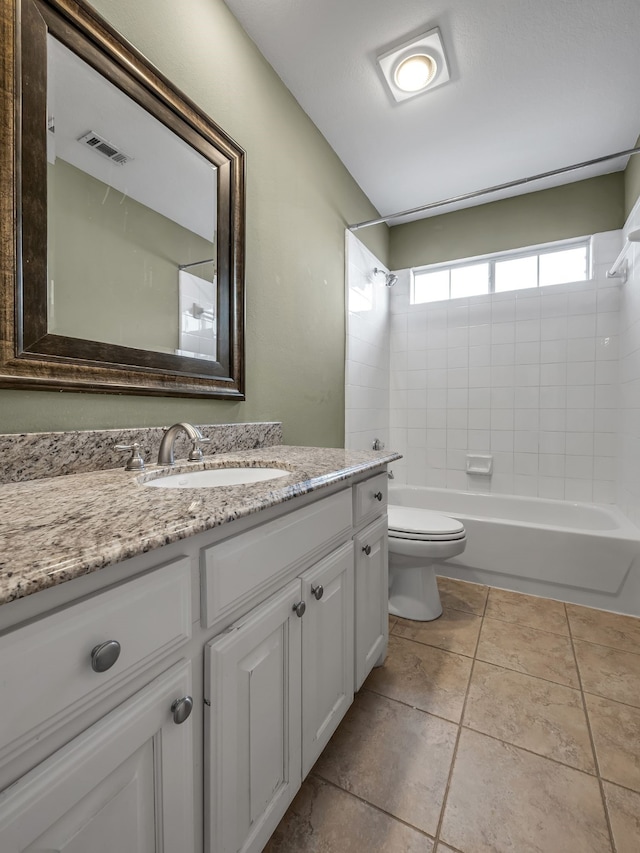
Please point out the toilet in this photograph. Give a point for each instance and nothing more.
(417, 539)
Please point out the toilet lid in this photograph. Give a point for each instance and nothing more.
(422, 522)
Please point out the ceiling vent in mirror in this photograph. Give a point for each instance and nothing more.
(100, 144)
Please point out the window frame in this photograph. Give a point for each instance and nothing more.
(494, 258)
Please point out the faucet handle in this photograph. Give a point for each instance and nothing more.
(135, 462)
(195, 454)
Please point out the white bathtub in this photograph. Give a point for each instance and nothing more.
(571, 551)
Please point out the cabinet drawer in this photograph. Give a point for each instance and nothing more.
(370, 498)
(235, 570)
(148, 617)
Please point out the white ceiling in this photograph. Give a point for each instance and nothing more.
(165, 174)
(535, 85)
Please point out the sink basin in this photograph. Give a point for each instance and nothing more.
(217, 477)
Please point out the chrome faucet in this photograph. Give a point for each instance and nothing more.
(165, 454)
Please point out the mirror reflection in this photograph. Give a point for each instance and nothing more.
(131, 220)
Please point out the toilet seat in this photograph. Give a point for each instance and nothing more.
(423, 525)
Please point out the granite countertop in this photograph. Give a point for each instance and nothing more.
(57, 529)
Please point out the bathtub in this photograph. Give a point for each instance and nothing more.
(571, 551)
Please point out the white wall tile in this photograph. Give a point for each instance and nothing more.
(436, 418)
(530, 376)
(581, 349)
(551, 488)
(480, 335)
(581, 326)
(503, 310)
(553, 328)
(527, 330)
(552, 442)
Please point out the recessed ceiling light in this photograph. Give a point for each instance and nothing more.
(415, 66)
(415, 72)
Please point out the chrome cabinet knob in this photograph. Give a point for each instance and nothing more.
(299, 608)
(366, 549)
(317, 591)
(105, 655)
(378, 496)
(181, 709)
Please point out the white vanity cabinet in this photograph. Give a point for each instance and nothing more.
(277, 683)
(269, 623)
(372, 597)
(125, 784)
(371, 544)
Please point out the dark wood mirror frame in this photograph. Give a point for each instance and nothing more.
(30, 357)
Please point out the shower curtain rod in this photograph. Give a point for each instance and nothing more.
(478, 193)
(195, 264)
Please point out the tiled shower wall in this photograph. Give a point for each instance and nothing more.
(529, 376)
(629, 428)
(367, 350)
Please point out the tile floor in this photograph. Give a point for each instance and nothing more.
(512, 723)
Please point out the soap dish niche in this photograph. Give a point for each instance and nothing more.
(480, 463)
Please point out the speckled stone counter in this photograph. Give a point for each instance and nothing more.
(60, 528)
(35, 455)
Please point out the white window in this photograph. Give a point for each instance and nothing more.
(555, 263)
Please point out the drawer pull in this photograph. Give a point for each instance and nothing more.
(378, 496)
(367, 549)
(105, 655)
(181, 709)
(299, 608)
(317, 591)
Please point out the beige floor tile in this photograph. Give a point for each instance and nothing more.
(616, 734)
(504, 799)
(323, 819)
(443, 848)
(545, 614)
(461, 595)
(609, 672)
(392, 756)
(392, 621)
(538, 715)
(423, 677)
(624, 813)
(607, 629)
(528, 650)
(454, 631)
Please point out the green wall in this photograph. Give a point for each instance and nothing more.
(632, 181)
(572, 210)
(299, 200)
(114, 263)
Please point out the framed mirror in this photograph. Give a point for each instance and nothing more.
(123, 217)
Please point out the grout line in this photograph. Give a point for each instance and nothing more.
(609, 699)
(408, 705)
(431, 646)
(372, 805)
(501, 740)
(605, 646)
(459, 733)
(593, 744)
(518, 624)
(520, 672)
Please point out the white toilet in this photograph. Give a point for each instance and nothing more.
(417, 539)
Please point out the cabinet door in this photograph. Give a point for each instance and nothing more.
(252, 725)
(125, 784)
(371, 596)
(327, 650)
